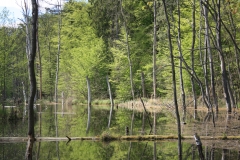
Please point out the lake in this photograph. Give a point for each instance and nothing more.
(71, 121)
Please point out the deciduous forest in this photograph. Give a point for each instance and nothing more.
(188, 50)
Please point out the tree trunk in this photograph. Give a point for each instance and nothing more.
(128, 51)
(154, 49)
(58, 53)
(40, 68)
(221, 57)
(89, 104)
(111, 100)
(32, 77)
(192, 58)
(174, 84)
(208, 50)
(180, 64)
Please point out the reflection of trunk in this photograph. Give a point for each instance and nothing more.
(212, 152)
(131, 129)
(154, 150)
(154, 123)
(174, 82)
(193, 152)
(129, 150)
(111, 100)
(56, 129)
(224, 154)
(40, 130)
(89, 105)
(143, 123)
(146, 114)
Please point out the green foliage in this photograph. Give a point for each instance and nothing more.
(82, 54)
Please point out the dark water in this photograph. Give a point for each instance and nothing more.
(72, 121)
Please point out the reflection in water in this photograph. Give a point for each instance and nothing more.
(73, 124)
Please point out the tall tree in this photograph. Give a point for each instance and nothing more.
(173, 82)
(154, 48)
(180, 63)
(32, 77)
(221, 57)
(209, 53)
(128, 51)
(192, 56)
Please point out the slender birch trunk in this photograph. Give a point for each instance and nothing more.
(128, 51)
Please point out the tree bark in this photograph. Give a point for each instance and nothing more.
(111, 100)
(180, 63)
(32, 77)
(208, 50)
(222, 60)
(40, 68)
(174, 83)
(128, 51)
(192, 58)
(89, 104)
(154, 49)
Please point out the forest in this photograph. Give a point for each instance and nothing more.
(186, 50)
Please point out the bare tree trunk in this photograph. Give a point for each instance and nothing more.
(111, 100)
(128, 50)
(154, 49)
(221, 57)
(233, 27)
(192, 58)
(32, 78)
(208, 50)
(180, 63)
(174, 83)
(59, 47)
(89, 105)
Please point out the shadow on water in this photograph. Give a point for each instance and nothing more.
(53, 121)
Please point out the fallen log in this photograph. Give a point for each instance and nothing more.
(114, 138)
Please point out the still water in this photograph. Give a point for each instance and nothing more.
(55, 121)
